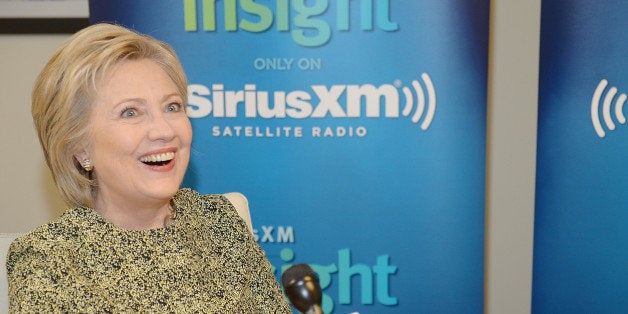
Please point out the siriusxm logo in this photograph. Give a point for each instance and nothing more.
(607, 105)
(303, 19)
(417, 102)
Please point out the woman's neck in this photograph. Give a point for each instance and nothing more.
(134, 217)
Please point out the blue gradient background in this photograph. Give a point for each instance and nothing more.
(416, 196)
(581, 239)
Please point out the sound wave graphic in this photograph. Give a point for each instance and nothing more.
(420, 101)
(606, 108)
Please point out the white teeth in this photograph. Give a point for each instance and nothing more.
(158, 157)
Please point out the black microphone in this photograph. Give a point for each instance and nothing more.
(300, 283)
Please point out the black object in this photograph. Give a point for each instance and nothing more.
(42, 25)
(300, 283)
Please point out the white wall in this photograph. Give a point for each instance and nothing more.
(28, 195)
(511, 154)
(29, 198)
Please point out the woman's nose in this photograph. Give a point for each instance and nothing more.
(160, 128)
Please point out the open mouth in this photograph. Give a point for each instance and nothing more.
(158, 159)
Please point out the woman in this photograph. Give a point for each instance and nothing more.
(109, 109)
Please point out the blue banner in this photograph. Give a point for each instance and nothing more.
(355, 128)
(581, 239)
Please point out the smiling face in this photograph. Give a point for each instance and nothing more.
(139, 139)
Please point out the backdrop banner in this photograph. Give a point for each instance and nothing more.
(581, 239)
(355, 128)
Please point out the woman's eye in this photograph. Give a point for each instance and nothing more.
(129, 113)
(173, 107)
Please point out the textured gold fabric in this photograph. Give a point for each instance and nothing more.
(206, 261)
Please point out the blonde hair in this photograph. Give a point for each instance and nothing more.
(64, 92)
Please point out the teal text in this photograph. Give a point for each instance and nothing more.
(306, 21)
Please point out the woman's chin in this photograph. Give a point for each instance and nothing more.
(164, 191)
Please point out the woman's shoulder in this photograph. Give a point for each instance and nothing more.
(51, 230)
(189, 199)
(217, 208)
(41, 241)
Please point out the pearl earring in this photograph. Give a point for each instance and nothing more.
(87, 165)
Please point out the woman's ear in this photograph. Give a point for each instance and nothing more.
(82, 156)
